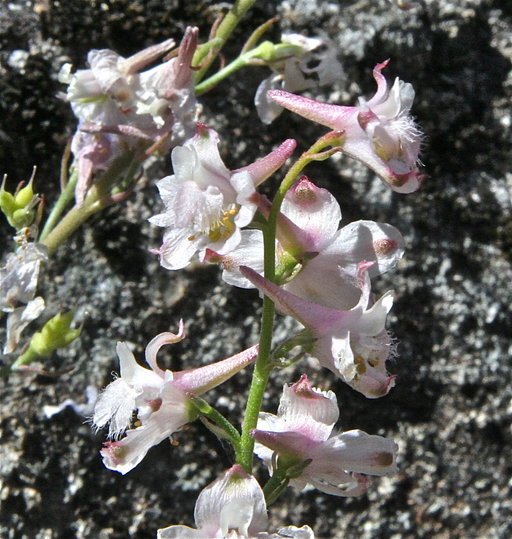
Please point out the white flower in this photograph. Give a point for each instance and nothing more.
(121, 109)
(18, 284)
(309, 245)
(353, 344)
(301, 433)
(159, 397)
(232, 507)
(307, 62)
(379, 132)
(206, 205)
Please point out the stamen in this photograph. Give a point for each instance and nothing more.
(224, 226)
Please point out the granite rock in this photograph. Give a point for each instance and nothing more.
(451, 410)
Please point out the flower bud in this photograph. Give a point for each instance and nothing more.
(7, 203)
(19, 208)
(56, 333)
(25, 195)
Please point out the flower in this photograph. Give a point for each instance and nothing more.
(305, 63)
(93, 152)
(233, 507)
(353, 344)
(167, 91)
(159, 397)
(310, 244)
(205, 203)
(18, 284)
(117, 106)
(301, 432)
(106, 92)
(380, 132)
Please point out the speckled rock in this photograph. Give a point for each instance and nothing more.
(450, 412)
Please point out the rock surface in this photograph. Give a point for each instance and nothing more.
(451, 411)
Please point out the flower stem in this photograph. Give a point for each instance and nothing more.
(264, 365)
(95, 201)
(274, 486)
(223, 427)
(228, 70)
(64, 199)
(203, 58)
(260, 378)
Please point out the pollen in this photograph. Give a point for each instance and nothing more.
(224, 226)
(373, 362)
(360, 364)
(380, 150)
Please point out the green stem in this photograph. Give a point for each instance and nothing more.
(263, 366)
(226, 27)
(260, 378)
(93, 203)
(216, 417)
(228, 70)
(64, 199)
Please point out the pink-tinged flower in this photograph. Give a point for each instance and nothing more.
(106, 92)
(301, 432)
(309, 244)
(233, 507)
(118, 107)
(205, 203)
(18, 284)
(352, 344)
(301, 63)
(92, 152)
(159, 397)
(380, 132)
(167, 91)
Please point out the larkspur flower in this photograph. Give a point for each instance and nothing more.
(352, 344)
(233, 507)
(306, 62)
(18, 284)
(206, 205)
(118, 107)
(301, 432)
(309, 244)
(159, 397)
(379, 132)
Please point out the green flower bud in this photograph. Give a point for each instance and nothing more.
(56, 333)
(25, 195)
(21, 218)
(19, 208)
(266, 51)
(270, 52)
(7, 203)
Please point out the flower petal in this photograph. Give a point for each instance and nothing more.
(234, 501)
(123, 455)
(316, 317)
(313, 210)
(357, 451)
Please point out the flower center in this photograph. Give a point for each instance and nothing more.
(223, 227)
(371, 352)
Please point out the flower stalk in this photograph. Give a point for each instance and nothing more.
(65, 198)
(222, 426)
(264, 364)
(97, 199)
(207, 53)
